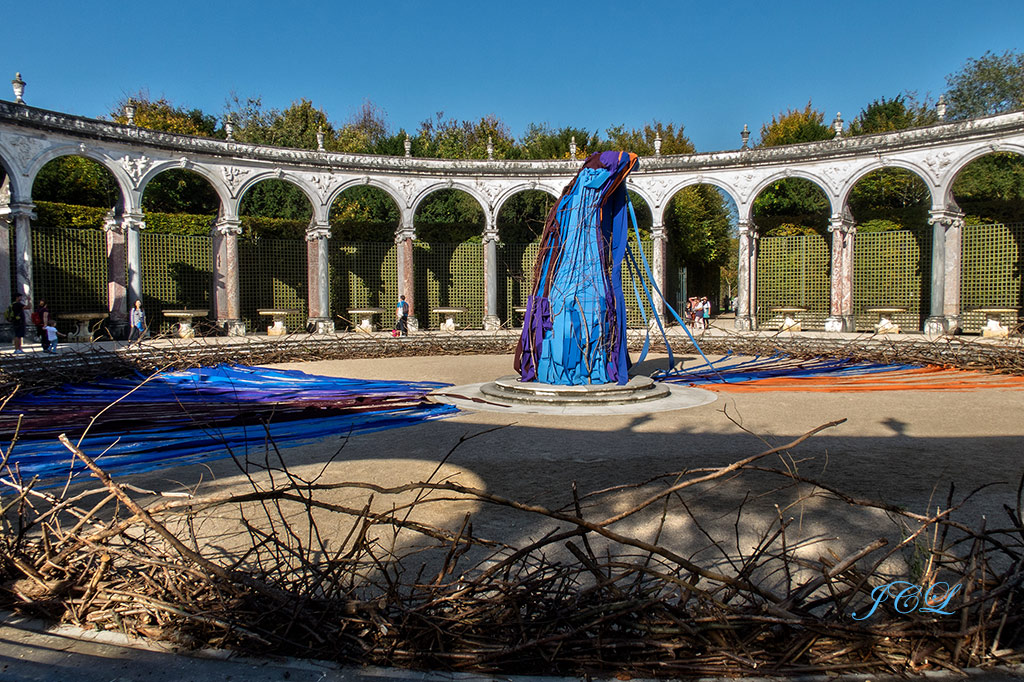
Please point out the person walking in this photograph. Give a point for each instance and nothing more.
(138, 323)
(41, 318)
(706, 311)
(402, 316)
(17, 319)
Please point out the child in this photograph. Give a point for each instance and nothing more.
(51, 337)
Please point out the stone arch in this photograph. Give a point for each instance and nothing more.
(730, 191)
(462, 187)
(228, 205)
(956, 167)
(367, 181)
(284, 176)
(788, 173)
(862, 172)
(124, 183)
(648, 198)
(17, 191)
(523, 187)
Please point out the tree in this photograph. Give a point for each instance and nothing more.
(890, 199)
(442, 138)
(898, 113)
(993, 84)
(540, 141)
(697, 220)
(791, 206)
(795, 126)
(162, 115)
(295, 127)
(76, 180)
(641, 141)
(991, 189)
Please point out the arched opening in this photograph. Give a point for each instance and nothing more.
(74, 196)
(180, 207)
(793, 253)
(363, 257)
(272, 260)
(520, 226)
(447, 257)
(892, 256)
(990, 192)
(700, 225)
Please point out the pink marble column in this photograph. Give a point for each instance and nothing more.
(226, 293)
(744, 304)
(841, 317)
(406, 273)
(317, 272)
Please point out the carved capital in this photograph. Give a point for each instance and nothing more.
(318, 231)
(947, 217)
(658, 233)
(404, 233)
(228, 226)
(133, 221)
(491, 236)
(842, 223)
(112, 224)
(21, 210)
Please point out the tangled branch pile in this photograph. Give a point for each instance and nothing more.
(352, 572)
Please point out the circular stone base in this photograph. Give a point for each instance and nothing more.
(640, 395)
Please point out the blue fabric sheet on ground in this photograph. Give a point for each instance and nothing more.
(183, 417)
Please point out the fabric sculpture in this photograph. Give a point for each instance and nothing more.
(574, 331)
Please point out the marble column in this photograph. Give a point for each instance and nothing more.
(841, 317)
(317, 270)
(22, 214)
(226, 292)
(133, 225)
(117, 275)
(659, 267)
(944, 310)
(5, 258)
(491, 319)
(406, 273)
(744, 304)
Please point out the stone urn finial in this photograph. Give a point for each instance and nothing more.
(490, 148)
(572, 148)
(837, 124)
(320, 139)
(657, 145)
(940, 108)
(408, 147)
(19, 88)
(129, 112)
(229, 127)
(745, 136)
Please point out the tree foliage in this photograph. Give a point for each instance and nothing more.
(161, 114)
(540, 141)
(276, 199)
(446, 138)
(795, 126)
(992, 84)
(791, 206)
(886, 115)
(641, 140)
(991, 189)
(890, 199)
(697, 220)
(76, 180)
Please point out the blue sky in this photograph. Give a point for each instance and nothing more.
(711, 66)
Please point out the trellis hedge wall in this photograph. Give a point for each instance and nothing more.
(70, 270)
(890, 269)
(990, 272)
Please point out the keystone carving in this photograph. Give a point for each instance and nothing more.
(323, 185)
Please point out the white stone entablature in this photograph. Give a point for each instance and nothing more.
(31, 137)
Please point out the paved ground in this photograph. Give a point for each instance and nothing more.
(903, 447)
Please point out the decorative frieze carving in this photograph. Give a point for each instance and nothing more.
(234, 176)
(135, 167)
(24, 148)
(323, 184)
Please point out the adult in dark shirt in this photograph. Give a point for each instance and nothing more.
(41, 318)
(18, 307)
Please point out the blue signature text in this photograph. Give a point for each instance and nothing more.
(907, 598)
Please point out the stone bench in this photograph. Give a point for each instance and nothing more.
(449, 323)
(365, 316)
(277, 315)
(184, 317)
(885, 324)
(83, 325)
